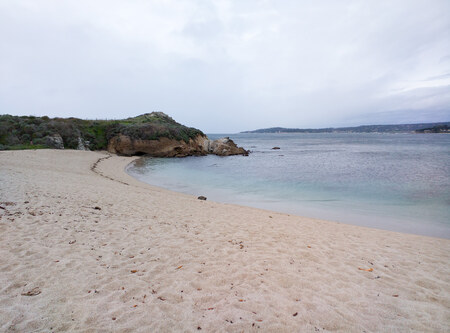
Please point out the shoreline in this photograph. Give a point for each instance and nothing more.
(109, 252)
(345, 212)
(286, 212)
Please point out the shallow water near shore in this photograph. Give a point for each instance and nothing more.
(398, 182)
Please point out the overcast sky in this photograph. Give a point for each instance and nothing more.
(229, 65)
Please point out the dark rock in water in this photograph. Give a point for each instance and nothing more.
(201, 197)
(275, 148)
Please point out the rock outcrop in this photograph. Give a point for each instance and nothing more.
(83, 144)
(54, 141)
(225, 147)
(165, 147)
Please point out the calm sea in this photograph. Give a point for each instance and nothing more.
(397, 182)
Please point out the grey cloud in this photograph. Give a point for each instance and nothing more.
(230, 65)
(433, 78)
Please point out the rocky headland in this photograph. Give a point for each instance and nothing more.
(165, 147)
(155, 134)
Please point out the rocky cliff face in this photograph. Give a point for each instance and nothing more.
(165, 147)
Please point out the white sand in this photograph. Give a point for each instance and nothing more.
(196, 264)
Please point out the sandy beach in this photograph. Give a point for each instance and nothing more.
(84, 247)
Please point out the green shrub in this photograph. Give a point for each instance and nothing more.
(18, 132)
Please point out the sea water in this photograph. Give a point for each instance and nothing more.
(398, 182)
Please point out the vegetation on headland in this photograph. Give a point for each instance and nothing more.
(402, 128)
(30, 132)
(435, 129)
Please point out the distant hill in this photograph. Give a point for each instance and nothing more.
(403, 128)
(435, 129)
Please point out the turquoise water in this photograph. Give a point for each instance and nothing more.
(397, 182)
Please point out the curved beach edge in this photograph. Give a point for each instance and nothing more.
(85, 246)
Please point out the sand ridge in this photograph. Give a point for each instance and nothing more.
(100, 251)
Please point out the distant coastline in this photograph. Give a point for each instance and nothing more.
(441, 127)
